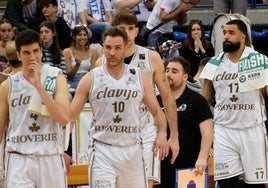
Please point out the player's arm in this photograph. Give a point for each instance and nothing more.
(81, 95)
(4, 115)
(152, 104)
(166, 17)
(208, 91)
(99, 62)
(168, 100)
(58, 107)
(206, 129)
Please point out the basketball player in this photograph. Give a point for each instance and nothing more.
(115, 91)
(151, 63)
(238, 76)
(34, 141)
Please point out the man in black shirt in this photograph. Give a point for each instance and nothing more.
(195, 124)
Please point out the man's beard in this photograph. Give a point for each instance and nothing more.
(230, 46)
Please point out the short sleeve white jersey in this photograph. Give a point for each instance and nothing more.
(115, 106)
(30, 133)
(235, 109)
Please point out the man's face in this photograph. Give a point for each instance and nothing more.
(131, 30)
(175, 75)
(232, 38)
(49, 10)
(30, 54)
(114, 50)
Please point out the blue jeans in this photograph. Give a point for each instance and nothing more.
(97, 30)
(151, 41)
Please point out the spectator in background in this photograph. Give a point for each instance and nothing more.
(166, 46)
(169, 13)
(49, 9)
(195, 125)
(24, 14)
(3, 63)
(93, 14)
(6, 34)
(80, 57)
(230, 6)
(142, 8)
(52, 53)
(196, 47)
(67, 9)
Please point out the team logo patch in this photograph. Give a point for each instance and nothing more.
(242, 79)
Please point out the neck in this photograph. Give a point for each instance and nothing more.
(235, 56)
(130, 49)
(116, 71)
(177, 92)
(53, 18)
(3, 43)
(79, 48)
(47, 45)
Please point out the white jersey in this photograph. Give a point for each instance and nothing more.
(115, 106)
(242, 109)
(154, 18)
(29, 133)
(141, 59)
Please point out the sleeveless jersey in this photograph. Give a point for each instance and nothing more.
(30, 133)
(141, 59)
(235, 109)
(115, 106)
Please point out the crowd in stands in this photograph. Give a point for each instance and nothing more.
(71, 33)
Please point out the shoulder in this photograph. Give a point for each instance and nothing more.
(197, 98)
(67, 51)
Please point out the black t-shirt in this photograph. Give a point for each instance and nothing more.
(192, 109)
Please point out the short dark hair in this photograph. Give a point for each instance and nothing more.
(47, 2)
(26, 37)
(125, 16)
(115, 32)
(241, 25)
(185, 64)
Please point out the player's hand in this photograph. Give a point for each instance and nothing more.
(34, 72)
(161, 145)
(173, 143)
(200, 165)
(68, 161)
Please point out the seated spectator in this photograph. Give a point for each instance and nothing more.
(142, 9)
(52, 53)
(166, 46)
(167, 12)
(49, 9)
(68, 11)
(196, 47)
(3, 63)
(80, 57)
(24, 14)
(6, 34)
(230, 6)
(93, 15)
